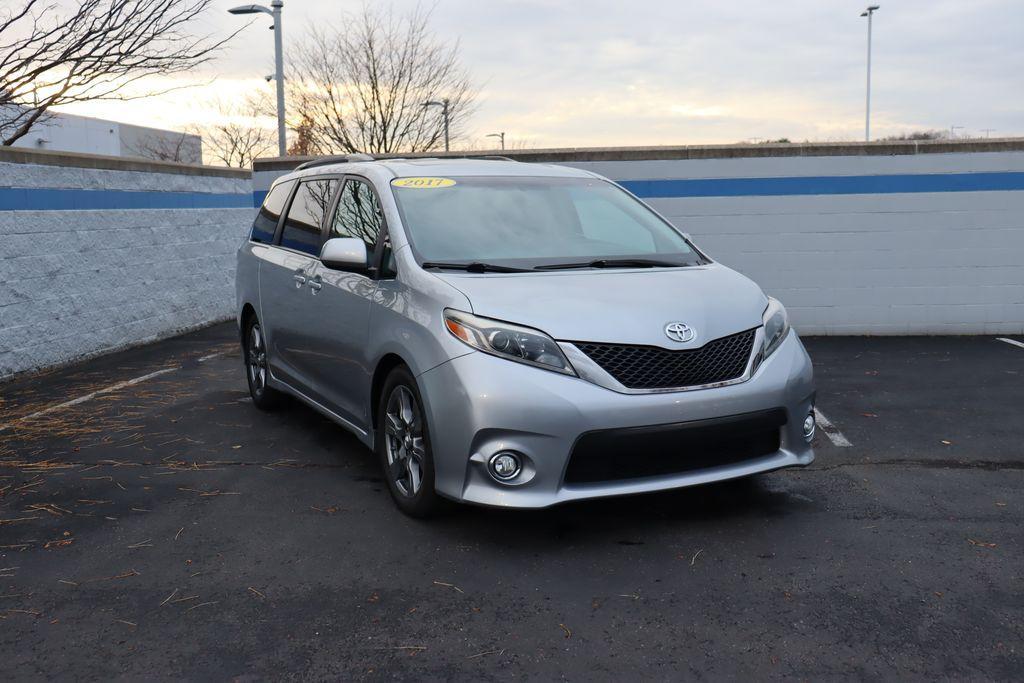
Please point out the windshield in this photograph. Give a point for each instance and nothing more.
(534, 222)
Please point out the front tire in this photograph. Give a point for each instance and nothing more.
(403, 446)
(256, 369)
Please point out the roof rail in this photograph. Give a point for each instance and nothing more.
(334, 159)
(470, 155)
(486, 157)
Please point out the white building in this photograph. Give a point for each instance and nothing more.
(70, 133)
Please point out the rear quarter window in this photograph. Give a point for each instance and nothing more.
(265, 225)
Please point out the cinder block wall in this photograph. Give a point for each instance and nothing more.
(878, 238)
(100, 253)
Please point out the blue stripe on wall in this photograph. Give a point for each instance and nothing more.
(811, 185)
(826, 185)
(45, 199)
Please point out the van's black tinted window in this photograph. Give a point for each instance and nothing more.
(266, 220)
(306, 215)
(358, 214)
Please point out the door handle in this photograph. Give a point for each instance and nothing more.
(315, 285)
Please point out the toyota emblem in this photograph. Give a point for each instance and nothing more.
(679, 332)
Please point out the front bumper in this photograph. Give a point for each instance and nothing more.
(478, 405)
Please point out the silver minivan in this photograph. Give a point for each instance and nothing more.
(514, 335)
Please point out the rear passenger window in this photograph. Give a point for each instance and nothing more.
(265, 225)
(306, 215)
(358, 214)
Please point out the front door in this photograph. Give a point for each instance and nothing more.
(343, 303)
(287, 296)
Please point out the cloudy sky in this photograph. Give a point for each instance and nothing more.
(554, 73)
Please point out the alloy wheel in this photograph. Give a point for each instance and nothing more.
(257, 359)
(406, 448)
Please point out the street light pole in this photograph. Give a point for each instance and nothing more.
(444, 114)
(282, 144)
(274, 11)
(444, 111)
(500, 136)
(869, 13)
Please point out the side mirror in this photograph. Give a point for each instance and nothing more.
(345, 253)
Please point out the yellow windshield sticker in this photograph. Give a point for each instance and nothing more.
(423, 183)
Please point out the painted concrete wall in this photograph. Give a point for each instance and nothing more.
(96, 259)
(903, 238)
(86, 135)
(73, 134)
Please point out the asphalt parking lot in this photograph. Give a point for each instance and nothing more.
(167, 529)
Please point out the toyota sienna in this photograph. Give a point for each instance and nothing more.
(514, 334)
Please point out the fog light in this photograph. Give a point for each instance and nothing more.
(505, 466)
(809, 426)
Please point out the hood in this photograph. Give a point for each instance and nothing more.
(619, 306)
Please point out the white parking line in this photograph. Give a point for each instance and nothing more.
(833, 434)
(211, 356)
(1011, 341)
(92, 395)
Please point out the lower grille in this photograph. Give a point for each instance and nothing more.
(617, 454)
(651, 367)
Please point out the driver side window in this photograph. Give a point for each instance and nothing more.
(358, 214)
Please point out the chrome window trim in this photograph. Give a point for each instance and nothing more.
(290, 250)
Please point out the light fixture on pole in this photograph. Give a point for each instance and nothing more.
(500, 136)
(869, 12)
(444, 115)
(274, 11)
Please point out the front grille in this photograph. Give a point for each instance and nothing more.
(632, 453)
(651, 367)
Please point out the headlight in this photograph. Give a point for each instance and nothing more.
(776, 325)
(521, 344)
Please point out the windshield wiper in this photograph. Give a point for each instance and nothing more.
(474, 267)
(614, 263)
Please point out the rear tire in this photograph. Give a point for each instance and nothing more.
(403, 446)
(254, 353)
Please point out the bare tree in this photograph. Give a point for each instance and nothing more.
(303, 144)
(239, 138)
(50, 56)
(360, 86)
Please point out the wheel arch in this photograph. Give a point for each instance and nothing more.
(388, 362)
(248, 312)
